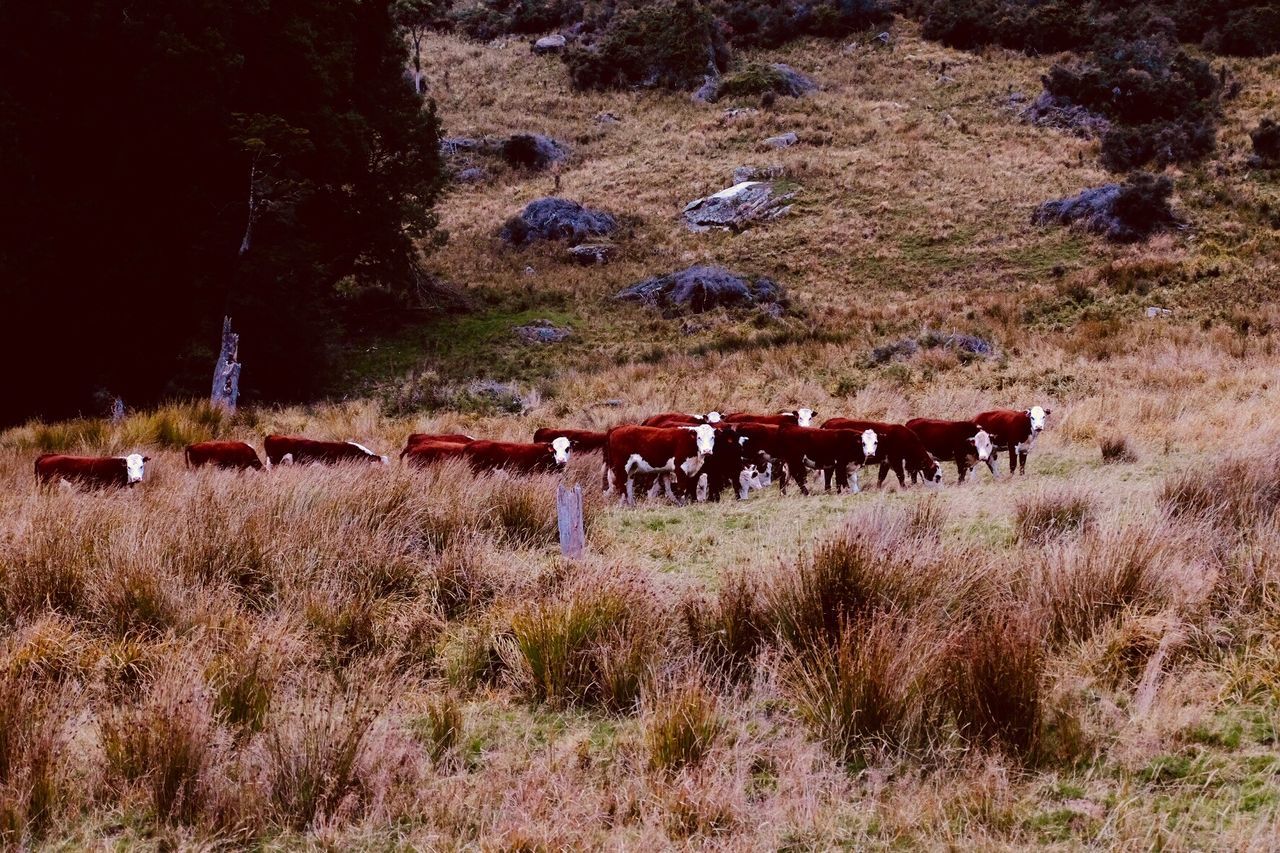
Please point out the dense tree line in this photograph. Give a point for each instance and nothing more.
(166, 161)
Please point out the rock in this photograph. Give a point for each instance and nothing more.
(471, 175)
(757, 173)
(549, 44)
(541, 332)
(1123, 213)
(756, 80)
(786, 140)
(737, 207)
(532, 151)
(1052, 111)
(593, 253)
(967, 346)
(1154, 311)
(607, 118)
(460, 145)
(792, 83)
(557, 219)
(737, 113)
(502, 396)
(702, 288)
(883, 39)
(708, 91)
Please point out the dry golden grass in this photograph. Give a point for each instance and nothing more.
(369, 657)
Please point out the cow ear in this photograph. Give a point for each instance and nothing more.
(146, 459)
(1048, 412)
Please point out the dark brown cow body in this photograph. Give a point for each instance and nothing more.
(419, 438)
(537, 458)
(1015, 431)
(835, 449)
(766, 441)
(899, 450)
(672, 453)
(784, 419)
(961, 442)
(95, 472)
(582, 440)
(675, 419)
(425, 453)
(230, 455)
(302, 451)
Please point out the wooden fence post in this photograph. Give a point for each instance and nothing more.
(573, 538)
(226, 373)
(117, 410)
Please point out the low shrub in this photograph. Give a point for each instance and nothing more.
(1116, 449)
(490, 19)
(1238, 492)
(1266, 143)
(1052, 513)
(670, 44)
(441, 728)
(999, 680)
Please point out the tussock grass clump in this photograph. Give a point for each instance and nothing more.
(999, 679)
(1053, 513)
(682, 728)
(441, 728)
(1117, 449)
(728, 632)
(1240, 492)
(33, 786)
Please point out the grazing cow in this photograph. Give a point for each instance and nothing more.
(673, 453)
(300, 451)
(675, 419)
(233, 455)
(539, 458)
(800, 417)
(92, 471)
(898, 449)
(580, 440)
(962, 442)
(1014, 431)
(840, 450)
(425, 453)
(418, 438)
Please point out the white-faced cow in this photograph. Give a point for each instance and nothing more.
(580, 440)
(837, 450)
(229, 455)
(898, 449)
(93, 472)
(962, 442)
(675, 419)
(538, 458)
(799, 417)
(675, 454)
(1014, 431)
(285, 449)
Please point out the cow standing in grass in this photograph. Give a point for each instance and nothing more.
(94, 472)
(675, 454)
(898, 449)
(840, 451)
(1014, 431)
(962, 442)
(285, 449)
(228, 455)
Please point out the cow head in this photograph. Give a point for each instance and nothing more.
(560, 450)
(712, 417)
(931, 471)
(372, 457)
(1037, 416)
(134, 464)
(870, 442)
(804, 417)
(981, 442)
(749, 479)
(706, 437)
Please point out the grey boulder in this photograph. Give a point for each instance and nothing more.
(737, 207)
(557, 219)
(550, 44)
(702, 288)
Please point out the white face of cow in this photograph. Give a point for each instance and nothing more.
(749, 479)
(1037, 416)
(982, 444)
(706, 435)
(870, 441)
(805, 417)
(713, 417)
(133, 465)
(560, 450)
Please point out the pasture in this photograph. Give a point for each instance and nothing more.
(373, 657)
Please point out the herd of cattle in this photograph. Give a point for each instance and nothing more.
(687, 456)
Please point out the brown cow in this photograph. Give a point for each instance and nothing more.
(843, 451)
(673, 453)
(92, 471)
(538, 458)
(425, 453)
(962, 442)
(800, 417)
(418, 438)
(1015, 431)
(675, 419)
(580, 440)
(898, 449)
(291, 448)
(231, 455)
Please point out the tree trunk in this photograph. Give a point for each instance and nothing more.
(117, 410)
(573, 539)
(226, 373)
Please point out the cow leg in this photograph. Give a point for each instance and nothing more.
(991, 465)
(780, 473)
(851, 479)
(884, 473)
(901, 475)
(961, 469)
(704, 492)
(799, 473)
(826, 479)
(1022, 461)
(1013, 459)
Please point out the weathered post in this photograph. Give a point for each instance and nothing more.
(226, 373)
(573, 538)
(117, 410)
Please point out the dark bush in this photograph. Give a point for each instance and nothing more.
(1036, 27)
(671, 44)
(1266, 143)
(1254, 31)
(1123, 213)
(769, 23)
(1159, 143)
(493, 18)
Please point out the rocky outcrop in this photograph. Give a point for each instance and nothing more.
(520, 150)
(702, 288)
(550, 44)
(541, 332)
(737, 207)
(557, 219)
(1123, 213)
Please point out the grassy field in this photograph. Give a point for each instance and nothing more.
(378, 657)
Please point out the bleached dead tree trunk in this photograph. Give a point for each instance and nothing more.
(573, 538)
(117, 410)
(226, 373)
